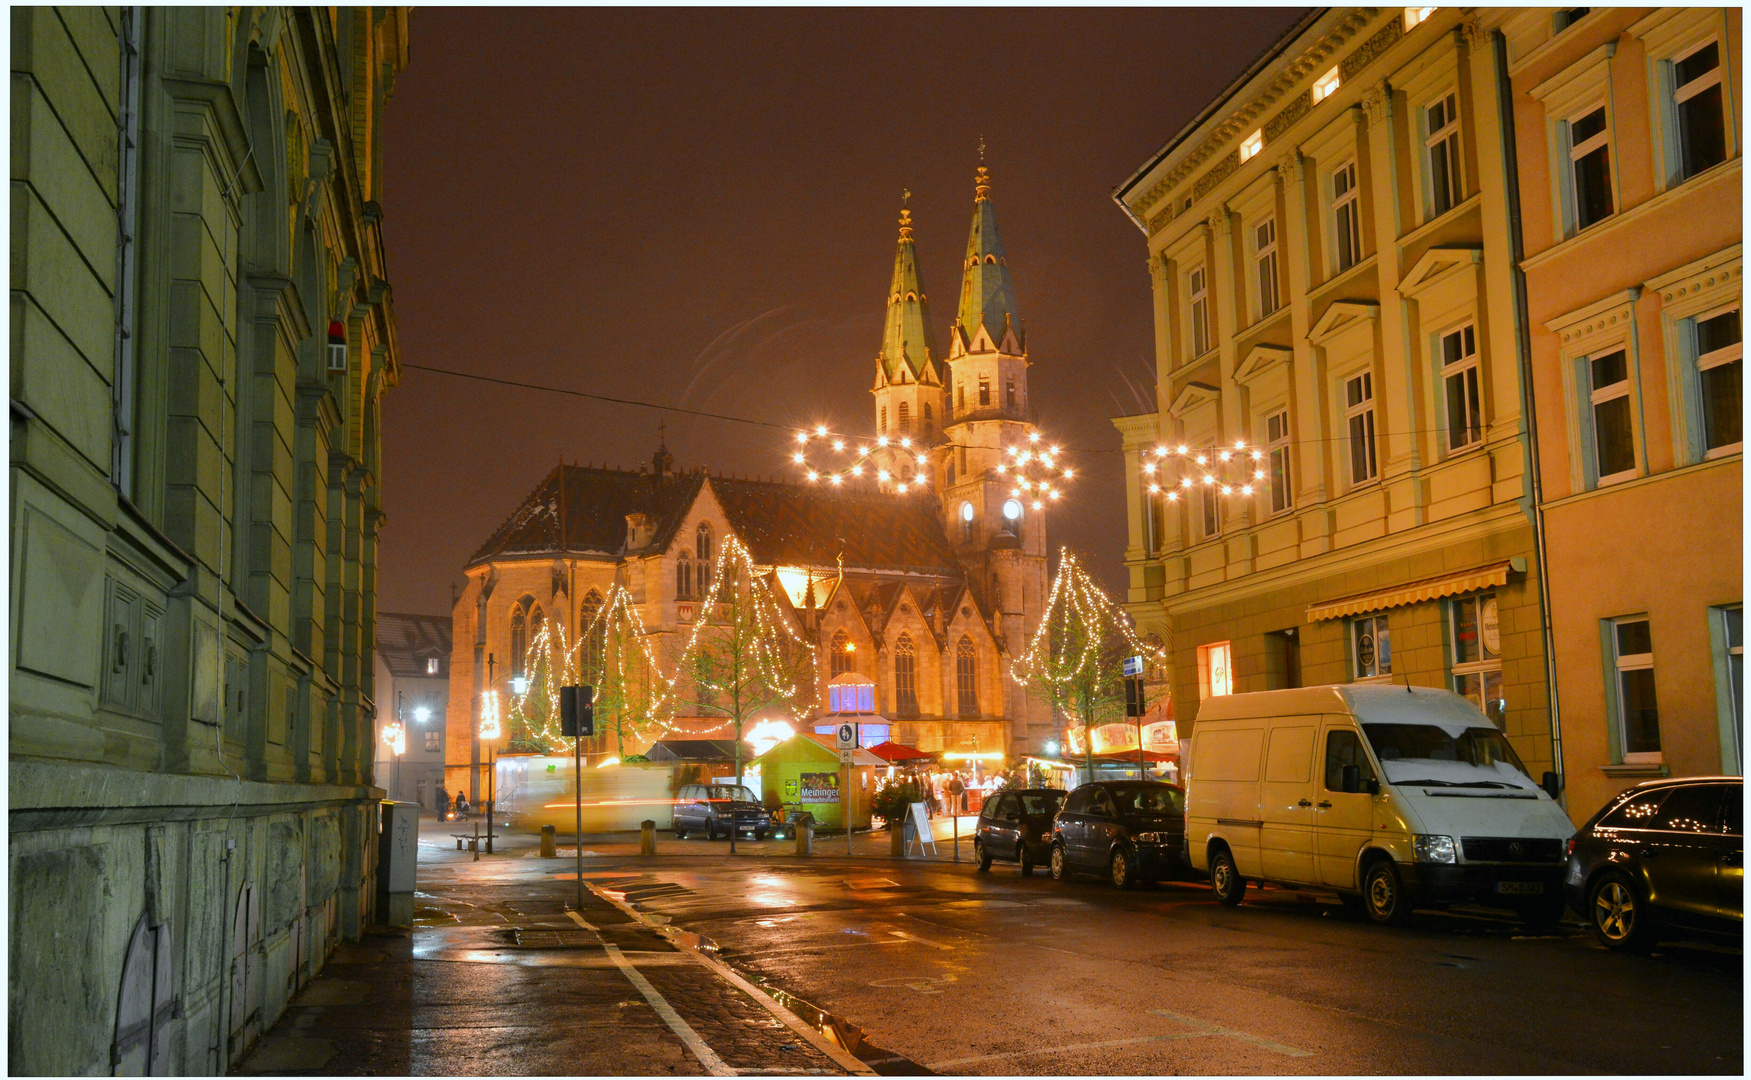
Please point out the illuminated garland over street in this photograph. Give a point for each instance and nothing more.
(1035, 470)
(1180, 470)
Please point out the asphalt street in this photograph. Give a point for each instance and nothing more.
(676, 963)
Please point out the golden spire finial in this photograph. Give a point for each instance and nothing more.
(905, 224)
(982, 184)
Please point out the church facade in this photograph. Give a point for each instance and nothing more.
(928, 591)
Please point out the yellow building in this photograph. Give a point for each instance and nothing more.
(1628, 142)
(1334, 295)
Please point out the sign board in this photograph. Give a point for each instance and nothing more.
(845, 756)
(917, 828)
(847, 736)
(1133, 665)
(819, 787)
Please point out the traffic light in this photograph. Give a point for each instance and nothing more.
(1134, 704)
(577, 711)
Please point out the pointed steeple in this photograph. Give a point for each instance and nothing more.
(906, 337)
(987, 297)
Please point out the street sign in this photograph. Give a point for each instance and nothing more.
(845, 756)
(1133, 665)
(847, 737)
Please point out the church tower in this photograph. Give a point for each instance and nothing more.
(1000, 539)
(909, 397)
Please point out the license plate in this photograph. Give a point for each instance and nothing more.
(1519, 887)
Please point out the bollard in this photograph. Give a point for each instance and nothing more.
(897, 838)
(805, 835)
(647, 837)
(476, 844)
(547, 847)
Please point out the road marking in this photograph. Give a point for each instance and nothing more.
(714, 1065)
(579, 919)
(924, 984)
(936, 1066)
(913, 937)
(1207, 1028)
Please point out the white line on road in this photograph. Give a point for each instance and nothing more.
(1208, 1028)
(714, 1065)
(1204, 1029)
(579, 919)
(912, 937)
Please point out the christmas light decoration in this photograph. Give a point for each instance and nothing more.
(1081, 617)
(396, 736)
(1170, 471)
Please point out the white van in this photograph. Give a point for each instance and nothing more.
(1388, 795)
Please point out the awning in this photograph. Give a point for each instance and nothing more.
(894, 752)
(1482, 577)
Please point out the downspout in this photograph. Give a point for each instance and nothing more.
(1528, 402)
(123, 389)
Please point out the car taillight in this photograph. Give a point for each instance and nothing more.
(1571, 847)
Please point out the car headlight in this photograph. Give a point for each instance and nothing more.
(1155, 838)
(1435, 849)
(1046, 837)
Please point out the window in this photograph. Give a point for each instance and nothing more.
(967, 678)
(984, 391)
(1732, 628)
(966, 516)
(1344, 748)
(1442, 148)
(1277, 451)
(1459, 373)
(929, 420)
(702, 548)
(840, 655)
(519, 639)
(905, 677)
(684, 577)
(1718, 352)
(1371, 646)
(1346, 215)
(1567, 17)
(1012, 517)
(434, 741)
(1696, 105)
(1637, 710)
(960, 397)
(1265, 244)
(1154, 521)
(905, 419)
(431, 665)
(850, 698)
(1009, 393)
(1693, 808)
(1476, 651)
(592, 634)
(1326, 85)
(882, 424)
(1212, 507)
(1200, 312)
(1613, 433)
(1251, 146)
(1590, 167)
(1415, 15)
(1215, 670)
(963, 461)
(1359, 417)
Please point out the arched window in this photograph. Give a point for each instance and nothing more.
(966, 515)
(960, 397)
(984, 391)
(684, 577)
(519, 637)
(905, 677)
(996, 593)
(883, 425)
(905, 418)
(702, 548)
(967, 678)
(929, 419)
(592, 632)
(840, 655)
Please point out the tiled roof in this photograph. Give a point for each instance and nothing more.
(590, 505)
(791, 525)
(405, 642)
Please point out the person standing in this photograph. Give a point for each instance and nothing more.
(957, 794)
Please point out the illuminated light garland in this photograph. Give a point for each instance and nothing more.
(396, 736)
(1075, 600)
(1166, 468)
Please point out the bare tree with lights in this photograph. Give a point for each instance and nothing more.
(612, 656)
(1075, 662)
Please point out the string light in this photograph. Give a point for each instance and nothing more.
(396, 736)
(1224, 470)
(1077, 611)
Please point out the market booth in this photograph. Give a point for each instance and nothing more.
(803, 773)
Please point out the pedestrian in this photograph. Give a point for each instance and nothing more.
(461, 804)
(957, 793)
(443, 804)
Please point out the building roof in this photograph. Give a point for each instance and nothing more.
(906, 337)
(406, 642)
(792, 525)
(987, 297)
(583, 508)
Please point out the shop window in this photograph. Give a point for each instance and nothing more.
(1215, 670)
(1636, 710)
(1476, 657)
(1460, 382)
(1371, 646)
(1359, 419)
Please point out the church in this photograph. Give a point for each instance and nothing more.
(926, 585)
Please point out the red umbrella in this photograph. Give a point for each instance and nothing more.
(893, 752)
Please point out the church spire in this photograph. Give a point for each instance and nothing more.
(906, 337)
(987, 298)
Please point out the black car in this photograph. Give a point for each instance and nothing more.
(1663, 859)
(1128, 830)
(711, 809)
(1017, 825)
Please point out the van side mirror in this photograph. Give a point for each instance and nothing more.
(1352, 782)
(1372, 785)
(1551, 784)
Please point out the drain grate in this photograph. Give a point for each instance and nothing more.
(554, 939)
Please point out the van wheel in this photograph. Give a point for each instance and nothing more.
(1383, 894)
(1060, 869)
(1225, 879)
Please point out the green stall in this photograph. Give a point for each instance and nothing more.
(804, 773)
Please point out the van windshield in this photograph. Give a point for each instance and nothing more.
(1428, 755)
(720, 792)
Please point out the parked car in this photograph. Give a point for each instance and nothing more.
(1129, 830)
(712, 808)
(1663, 859)
(1016, 826)
(1390, 796)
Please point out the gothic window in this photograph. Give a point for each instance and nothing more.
(984, 391)
(882, 426)
(967, 678)
(905, 418)
(684, 577)
(1009, 393)
(929, 420)
(519, 635)
(702, 548)
(905, 677)
(839, 656)
(592, 634)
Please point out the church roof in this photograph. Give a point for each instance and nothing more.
(987, 297)
(906, 336)
(582, 509)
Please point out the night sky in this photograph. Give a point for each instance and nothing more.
(697, 208)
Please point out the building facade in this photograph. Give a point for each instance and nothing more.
(924, 573)
(1336, 340)
(412, 684)
(1628, 140)
(201, 333)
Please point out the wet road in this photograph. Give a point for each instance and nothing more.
(972, 973)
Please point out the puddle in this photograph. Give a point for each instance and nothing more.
(433, 916)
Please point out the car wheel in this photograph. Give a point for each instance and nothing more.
(1026, 858)
(1060, 868)
(1543, 912)
(981, 856)
(1225, 879)
(1119, 871)
(759, 834)
(1618, 914)
(680, 833)
(1383, 894)
(710, 830)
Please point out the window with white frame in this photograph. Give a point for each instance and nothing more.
(1698, 115)
(1460, 381)
(431, 665)
(1250, 147)
(1326, 85)
(1589, 142)
(1346, 216)
(1277, 452)
(1359, 420)
(1476, 653)
(1441, 153)
(1371, 646)
(1211, 501)
(1636, 710)
(1265, 260)
(1719, 350)
(1198, 290)
(433, 741)
(1732, 621)
(1613, 426)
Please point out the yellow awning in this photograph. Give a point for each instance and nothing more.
(1483, 577)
